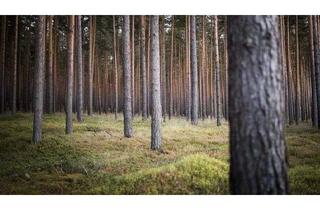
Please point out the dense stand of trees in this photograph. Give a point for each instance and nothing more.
(175, 66)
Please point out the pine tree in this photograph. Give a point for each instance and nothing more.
(39, 79)
(256, 107)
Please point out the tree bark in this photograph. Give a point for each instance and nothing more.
(257, 146)
(90, 72)
(15, 64)
(143, 68)
(50, 67)
(314, 114)
(127, 109)
(39, 79)
(79, 71)
(156, 95)
(317, 63)
(194, 72)
(70, 63)
(115, 67)
(218, 73)
(3, 60)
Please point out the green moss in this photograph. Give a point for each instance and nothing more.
(97, 159)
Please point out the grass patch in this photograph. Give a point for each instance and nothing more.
(97, 159)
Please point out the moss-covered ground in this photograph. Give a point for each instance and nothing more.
(97, 159)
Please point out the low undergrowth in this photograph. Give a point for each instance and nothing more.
(97, 159)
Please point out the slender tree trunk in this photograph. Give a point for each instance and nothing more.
(50, 66)
(79, 71)
(194, 72)
(297, 86)
(317, 63)
(258, 159)
(171, 71)
(127, 111)
(217, 60)
(143, 69)
(289, 75)
(70, 63)
(3, 60)
(163, 67)
(132, 67)
(314, 114)
(156, 95)
(115, 67)
(15, 64)
(90, 72)
(39, 79)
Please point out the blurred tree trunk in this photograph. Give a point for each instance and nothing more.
(115, 68)
(258, 158)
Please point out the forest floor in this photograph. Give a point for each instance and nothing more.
(97, 159)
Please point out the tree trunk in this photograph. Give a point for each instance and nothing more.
(90, 72)
(70, 63)
(143, 68)
(258, 159)
(297, 86)
(156, 94)
(39, 79)
(3, 59)
(79, 71)
(171, 71)
(132, 66)
(50, 66)
(194, 72)
(317, 63)
(314, 114)
(15, 64)
(115, 68)
(217, 60)
(127, 78)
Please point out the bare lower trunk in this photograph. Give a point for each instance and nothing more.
(15, 64)
(143, 69)
(194, 73)
(156, 94)
(39, 79)
(257, 146)
(70, 63)
(79, 71)
(127, 78)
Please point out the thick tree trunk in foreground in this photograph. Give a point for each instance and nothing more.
(39, 79)
(70, 63)
(79, 71)
(258, 159)
(143, 68)
(127, 78)
(194, 72)
(156, 95)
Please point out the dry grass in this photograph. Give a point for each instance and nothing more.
(97, 159)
